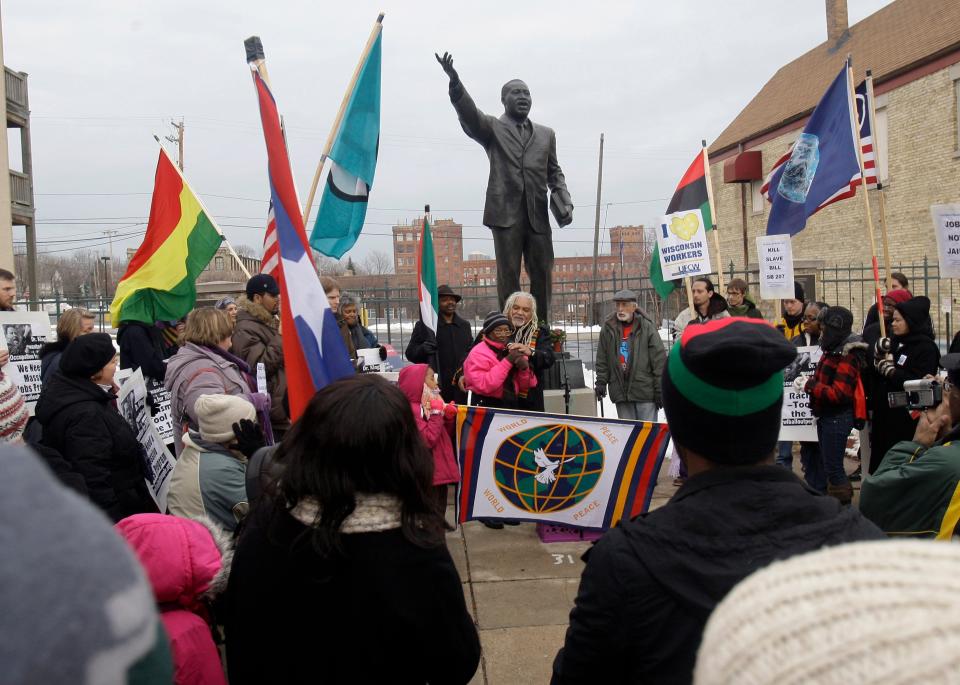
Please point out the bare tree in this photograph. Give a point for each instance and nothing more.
(377, 263)
(246, 251)
(328, 266)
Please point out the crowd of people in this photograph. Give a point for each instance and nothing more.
(343, 530)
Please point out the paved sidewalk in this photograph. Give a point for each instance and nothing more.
(520, 592)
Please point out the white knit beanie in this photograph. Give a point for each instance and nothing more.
(866, 612)
(13, 412)
(216, 415)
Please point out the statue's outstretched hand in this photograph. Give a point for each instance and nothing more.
(447, 63)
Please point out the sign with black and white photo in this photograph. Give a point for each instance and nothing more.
(24, 334)
(158, 405)
(796, 418)
(158, 462)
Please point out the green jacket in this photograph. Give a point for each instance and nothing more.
(916, 491)
(641, 382)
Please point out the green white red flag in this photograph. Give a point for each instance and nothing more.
(427, 278)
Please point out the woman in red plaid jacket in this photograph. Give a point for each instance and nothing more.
(835, 393)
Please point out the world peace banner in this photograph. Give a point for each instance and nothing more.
(554, 468)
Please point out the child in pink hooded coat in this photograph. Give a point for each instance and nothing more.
(435, 421)
(188, 563)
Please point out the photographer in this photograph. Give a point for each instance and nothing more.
(914, 491)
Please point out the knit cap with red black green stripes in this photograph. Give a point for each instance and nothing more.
(723, 389)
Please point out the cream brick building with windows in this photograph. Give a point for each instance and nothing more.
(913, 49)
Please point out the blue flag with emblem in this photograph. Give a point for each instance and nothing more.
(822, 164)
(343, 205)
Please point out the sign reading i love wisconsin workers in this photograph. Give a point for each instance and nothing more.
(682, 242)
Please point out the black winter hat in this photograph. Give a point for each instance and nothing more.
(447, 290)
(916, 312)
(493, 320)
(837, 324)
(86, 355)
(798, 291)
(262, 283)
(723, 389)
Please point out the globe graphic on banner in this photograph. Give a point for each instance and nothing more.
(548, 468)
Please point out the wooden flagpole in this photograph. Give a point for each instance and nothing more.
(875, 134)
(855, 129)
(377, 27)
(713, 214)
(686, 282)
(205, 211)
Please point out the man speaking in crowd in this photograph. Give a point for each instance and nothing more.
(630, 360)
(533, 340)
(446, 350)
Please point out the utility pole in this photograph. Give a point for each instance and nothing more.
(178, 139)
(110, 233)
(596, 237)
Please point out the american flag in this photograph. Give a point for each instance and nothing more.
(866, 145)
(271, 251)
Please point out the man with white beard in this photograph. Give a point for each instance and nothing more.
(630, 360)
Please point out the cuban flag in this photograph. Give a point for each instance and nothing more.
(313, 351)
(822, 165)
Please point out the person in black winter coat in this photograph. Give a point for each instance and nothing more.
(79, 419)
(341, 574)
(141, 347)
(650, 584)
(446, 350)
(908, 354)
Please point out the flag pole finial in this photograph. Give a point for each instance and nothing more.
(254, 48)
(426, 209)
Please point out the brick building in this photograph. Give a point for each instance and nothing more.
(913, 49)
(447, 248)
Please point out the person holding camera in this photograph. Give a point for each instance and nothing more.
(909, 353)
(916, 487)
(835, 390)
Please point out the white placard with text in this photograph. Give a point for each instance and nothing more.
(776, 267)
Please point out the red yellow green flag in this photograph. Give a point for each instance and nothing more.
(161, 281)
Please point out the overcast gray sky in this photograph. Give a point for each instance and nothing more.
(655, 77)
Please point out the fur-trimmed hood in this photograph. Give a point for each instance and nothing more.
(187, 560)
(256, 311)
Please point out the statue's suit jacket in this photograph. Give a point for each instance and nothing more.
(517, 170)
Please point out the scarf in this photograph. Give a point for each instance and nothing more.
(372, 513)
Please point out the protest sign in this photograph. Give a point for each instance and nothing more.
(682, 243)
(158, 462)
(24, 334)
(158, 406)
(571, 470)
(776, 267)
(796, 418)
(946, 225)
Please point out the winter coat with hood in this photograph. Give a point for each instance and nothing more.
(188, 563)
(650, 584)
(199, 370)
(435, 429)
(489, 373)
(256, 339)
(641, 380)
(716, 309)
(209, 480)
(81, 422)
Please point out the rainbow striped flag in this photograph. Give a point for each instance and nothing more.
(161, 280)
(555, 468)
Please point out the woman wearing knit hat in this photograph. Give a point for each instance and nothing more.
(651, 583)
(210, 476)
(870, 612)
(494, 374)
(908, 354)
(80, 420)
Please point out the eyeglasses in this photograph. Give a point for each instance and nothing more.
(811, 319)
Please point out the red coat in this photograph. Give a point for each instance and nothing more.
(435, 429)
(185, 567)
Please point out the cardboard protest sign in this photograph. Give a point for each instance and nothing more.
(24, 334)
(158, 462)
(776, 267)
(682, 243)
(796, 418)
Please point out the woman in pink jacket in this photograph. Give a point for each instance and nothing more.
(435, 421)
(495, 375)
(188, 563)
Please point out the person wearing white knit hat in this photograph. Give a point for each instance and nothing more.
(866, 612)
(13, 412)
(210, 476)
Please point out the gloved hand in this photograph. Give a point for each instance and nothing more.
(383, 353)
(600, 389)
(523, 363)
(430, 346)
(799, 383)
(249, 437)
(514, 356)
(450, 411)
(882, 347)
(436, 405)
(885, 367)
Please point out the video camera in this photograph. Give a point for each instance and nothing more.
(919, 394)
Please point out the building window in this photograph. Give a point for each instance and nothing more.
(756, 202)
(219, 263)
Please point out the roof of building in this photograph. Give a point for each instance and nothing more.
(891, 41)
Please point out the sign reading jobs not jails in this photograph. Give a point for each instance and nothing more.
(24, 334)
(776, 267)
(796, 417)
(682, 240)
(946, 225)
